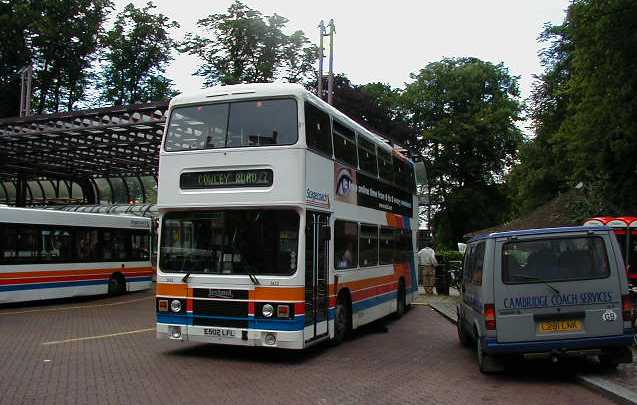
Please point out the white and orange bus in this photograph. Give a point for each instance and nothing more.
(47, 254)
(283, 223)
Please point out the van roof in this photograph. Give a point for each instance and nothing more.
(539, 231)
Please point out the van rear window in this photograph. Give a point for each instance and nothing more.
(557, 259)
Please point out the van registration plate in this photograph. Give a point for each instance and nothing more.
(565, 325)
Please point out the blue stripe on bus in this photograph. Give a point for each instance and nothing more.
(298, 323)
(138, 279)
(371, 302)
(20, 287)
(174, 319)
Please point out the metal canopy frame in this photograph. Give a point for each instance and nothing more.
(120, 141)
(79, 147)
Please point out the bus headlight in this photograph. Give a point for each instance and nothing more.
(267, 310)
(175, 305)
(270, 339)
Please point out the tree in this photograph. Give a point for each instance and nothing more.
(15, 52)
(243, 46)
(545, 165)
(465, 112)
(375, 106)
(601, 126)
(64, 39)
(137, 50)
(583, 111)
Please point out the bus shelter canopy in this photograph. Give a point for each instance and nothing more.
(105, 155)
(119, 141)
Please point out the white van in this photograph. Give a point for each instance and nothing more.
(546, 293)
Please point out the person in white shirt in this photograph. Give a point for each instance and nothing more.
(427, 268)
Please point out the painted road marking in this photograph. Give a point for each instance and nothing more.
(112, 304)
(82, 339)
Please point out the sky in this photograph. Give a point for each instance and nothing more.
(381, 41)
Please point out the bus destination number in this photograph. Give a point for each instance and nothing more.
(230, 178)
(220, 332)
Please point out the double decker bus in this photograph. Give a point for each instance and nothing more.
(283, 223)
(47, 254)
(625, 229)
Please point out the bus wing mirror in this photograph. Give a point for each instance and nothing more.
(326, 232)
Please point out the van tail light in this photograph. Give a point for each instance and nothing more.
(627, 308)
(489, 316)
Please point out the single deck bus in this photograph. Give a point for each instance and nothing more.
(283, 223)
(47, 254)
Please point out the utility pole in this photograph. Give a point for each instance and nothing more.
(321, 56)
(26, 76)
(330, 75)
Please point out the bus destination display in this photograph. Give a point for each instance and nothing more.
(229, 178)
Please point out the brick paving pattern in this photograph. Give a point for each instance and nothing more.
(414, 360)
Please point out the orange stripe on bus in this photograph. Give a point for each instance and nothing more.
(177, 290)
(276, 294)
(367, 283)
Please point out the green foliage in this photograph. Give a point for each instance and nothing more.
(64, 38)
(375, 106)
(465, 111)
(601, 127)
(137, 50)
(584, 112)
(446, 256)
(244, 46)
(544, 160)
(14, 52)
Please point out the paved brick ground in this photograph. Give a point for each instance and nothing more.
(414, 360)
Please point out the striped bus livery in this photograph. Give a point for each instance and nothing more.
(283, 223)
(46, 254)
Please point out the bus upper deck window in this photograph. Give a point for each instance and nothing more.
(317, 130)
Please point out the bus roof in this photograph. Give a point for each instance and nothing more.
(252, 90)
(62, 218)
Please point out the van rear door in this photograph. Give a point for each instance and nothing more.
(557, 285)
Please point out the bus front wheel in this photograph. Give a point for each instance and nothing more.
(116, 285)
(342, 319)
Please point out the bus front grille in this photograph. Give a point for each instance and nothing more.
(222, 313)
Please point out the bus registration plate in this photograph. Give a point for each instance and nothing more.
(570, 325)
(220, 332)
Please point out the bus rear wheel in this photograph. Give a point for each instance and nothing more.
(401, 299)
(116, 285)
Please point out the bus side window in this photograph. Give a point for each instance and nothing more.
(8, 237)
(368, 245)
(317, 130)
(386, 245)
(367, 156)
(385, 169)
(345, 244)
(345, 144)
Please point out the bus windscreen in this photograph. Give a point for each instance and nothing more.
(259, 242)
(232, 125)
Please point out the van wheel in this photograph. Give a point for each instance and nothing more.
(116, 285)
(464, 338)
(487, 364)
(341, 320)
(481, 356)
(608, 361)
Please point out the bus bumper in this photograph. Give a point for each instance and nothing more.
(232, 336)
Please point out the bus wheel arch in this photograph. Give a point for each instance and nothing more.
(116, 284)
(343, 316)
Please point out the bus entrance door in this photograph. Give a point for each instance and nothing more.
(316, 275)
